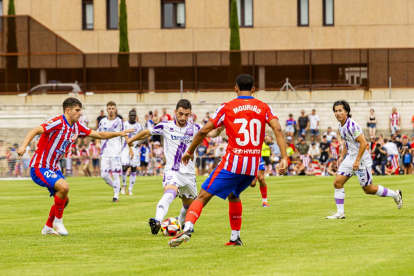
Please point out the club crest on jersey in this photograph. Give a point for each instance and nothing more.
(74, 136)
(169, 177)
(49, 122)
(189, 132)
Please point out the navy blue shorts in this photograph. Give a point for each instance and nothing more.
(314, 132)
(222, 183)
(46, 178)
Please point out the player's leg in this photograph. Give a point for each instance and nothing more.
(183, 213)
(124, 177)
(116, 171)
(170, 193)
(106, 170)
(263, 187)
(62, 188)
(339, 195)
(132, 179)
(365, 179)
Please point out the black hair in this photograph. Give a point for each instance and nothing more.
(185, 104)
(245, 82)
(71, 103)
(132, 111)
(346, 106)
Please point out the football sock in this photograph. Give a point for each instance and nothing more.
(340, 200)
(117, 184)
(193, 214)
(235, 215)
(51, 217)
(164, 204)
(59, 207)
(124, 178)
(263, 191)
(382, 191)
(132, 178)
(183, 213)
(234, 235)
(106, 176)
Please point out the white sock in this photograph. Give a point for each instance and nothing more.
(340, 200)
(164, 204)
(382, 191)
(234, 235)
(47, 227)
(116, 195)
(132, 178)
(124, 178)
(183, 213)
(107, 177)
(188, 225)
(264, 200)
(117, 184)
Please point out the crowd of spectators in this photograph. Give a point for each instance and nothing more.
(310, 151)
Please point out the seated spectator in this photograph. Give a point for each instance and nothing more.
(330, 134)
(290, 143)
(389, 170)
(299, 168)
(333, 168)
(302, 147)
(310, 170)
(380, 159)
(314, 151)
(289, 150)
(290, 126)
(334, 149)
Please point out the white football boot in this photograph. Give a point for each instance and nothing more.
(336, 216)
(123, 190)
(399, 200)
(130, 193)
(49, 231)
(60, 228)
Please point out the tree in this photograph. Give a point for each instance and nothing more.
(123, 59)
(235, 54)
(12, 72)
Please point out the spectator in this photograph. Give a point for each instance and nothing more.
(84, 153)
(314, 152)
(406, 157)
(395, 122)
(266, 157)
(330, 134)
(100, 117)
(381, 139)
(165, 116)
(372, 144)
(144, 159)
(334, 149)
(210, 157)
(302, 147)
(192, 119)
(219, 152)
(290, 151)
(158, 160)
(207, 118)
(299, 168)
(155, 118)
(290, 126)
(389, 169)
(201, 160)
(412, 121)
(95, 152)
(303, 124)
(380, 159)
(333, 168)
(149, 124)
(3, 160)
(391, 147)
(372, 123)
(314, 125)
(75, 160)
(396, 140)
(83, 120)
(26, 162)
(276, 154)
(290, 143)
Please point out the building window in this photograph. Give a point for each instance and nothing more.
(244, 13)
(112, 14)
(328, 13)
(303, 12)
(172, 14)
(87, 14)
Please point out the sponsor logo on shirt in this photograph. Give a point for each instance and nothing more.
(246, 107)
(247, 151)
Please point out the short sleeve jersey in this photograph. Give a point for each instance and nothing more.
(111, 147)
(176, 141)
(57, 139)
(245, 119)
(137, 129)
(349, 132)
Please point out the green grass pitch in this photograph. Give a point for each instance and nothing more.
(292, 237)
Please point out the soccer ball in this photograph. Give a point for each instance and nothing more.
(171, 227)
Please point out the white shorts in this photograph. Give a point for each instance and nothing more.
(110, 164)
(126, 159)
(394, 129)
(364, 173)
(290, 128)
(186, 183)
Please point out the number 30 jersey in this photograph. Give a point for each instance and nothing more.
(245, 119)
(176, 141)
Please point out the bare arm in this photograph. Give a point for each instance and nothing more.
(108, 135)
(29, 137)
(140, 136)
(215, 132)
(201, 134)
(362, 148)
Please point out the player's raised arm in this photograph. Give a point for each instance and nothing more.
(215, 132)
(280, 139)
(201, 134)
(109, 135)
(29, 137)
(140, 136)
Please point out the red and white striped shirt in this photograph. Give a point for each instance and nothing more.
(95, 150)
(54, 142)
(245, 119)
(306, 159)
(334, 150)
(395, 118)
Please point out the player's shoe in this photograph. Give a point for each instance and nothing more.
(49, 231)
(115, 199)
(130, 193)
(59, 227)
(184, 236)
(265, 204)
(236, 242)
(123, 190)
(399, 199)
(183, 226)
(155, 226)
(336, 216)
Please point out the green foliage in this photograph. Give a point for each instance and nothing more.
(123, 27)
(12, 72)
(12, 9)
(291, 237)
(234, 27)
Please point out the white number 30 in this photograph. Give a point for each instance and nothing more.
(255, 127)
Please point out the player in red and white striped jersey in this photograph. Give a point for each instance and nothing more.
(395, 121)
(245, 119)
(57, 137)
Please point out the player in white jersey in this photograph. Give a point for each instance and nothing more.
(130, 155)
(355, 159)
(178, 178)
(111, 150)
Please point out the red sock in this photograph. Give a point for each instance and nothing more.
(51, 217)
(59, 207)
(235, 215)
(263, 190)
(194, 211)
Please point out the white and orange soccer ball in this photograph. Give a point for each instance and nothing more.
(171, 227)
